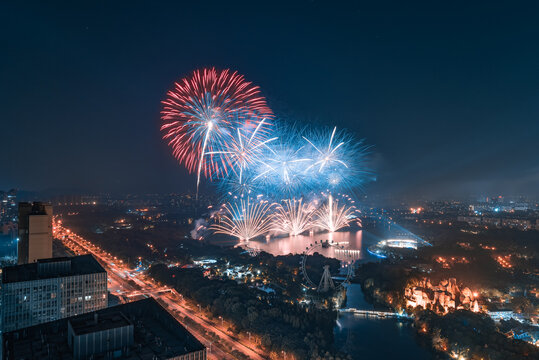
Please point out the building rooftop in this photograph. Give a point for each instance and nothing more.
(35, 208)
(157, 334)
(45, 269)
(93, 322)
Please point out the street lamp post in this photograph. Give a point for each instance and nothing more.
(220, 317)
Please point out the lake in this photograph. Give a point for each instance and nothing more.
(355, 244)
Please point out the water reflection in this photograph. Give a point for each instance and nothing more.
(368, 337)
(365, 338)
(351, 244)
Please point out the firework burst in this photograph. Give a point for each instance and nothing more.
(337, 160)
(202, 113)
(293, 217)
(282, 170)
(244, 219)
(220, 127)
(332, 216)
(244, 150)
(327, 157)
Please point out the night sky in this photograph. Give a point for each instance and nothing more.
(447, 94)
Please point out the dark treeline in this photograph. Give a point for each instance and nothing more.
(383, 283)
(472, 336)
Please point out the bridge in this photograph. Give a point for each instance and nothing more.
(374, 313)
(144, 292)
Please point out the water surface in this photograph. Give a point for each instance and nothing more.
(375, 338)
(351, 245)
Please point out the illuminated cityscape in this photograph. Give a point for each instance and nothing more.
(246, 180)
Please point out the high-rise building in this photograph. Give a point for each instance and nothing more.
(138, 330)
(35, 232)
(51, 289)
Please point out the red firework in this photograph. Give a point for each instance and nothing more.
(202, 113)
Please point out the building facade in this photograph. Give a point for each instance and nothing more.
(35, 232)
(51, 289)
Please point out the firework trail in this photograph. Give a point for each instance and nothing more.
(245, 219)
(331, 216)
(327, 156)
(245, 149)
(293, 217)
(282, 170)
(202, 114)
(337, 160)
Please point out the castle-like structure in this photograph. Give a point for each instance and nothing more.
(442, 297)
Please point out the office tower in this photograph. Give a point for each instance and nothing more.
(137, 330)
(35, 232)
(51, 289)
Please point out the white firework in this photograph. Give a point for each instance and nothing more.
(293, 217)
(245, 219)
(333, 216)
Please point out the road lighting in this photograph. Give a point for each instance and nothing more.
(220, 317)
(199, 308)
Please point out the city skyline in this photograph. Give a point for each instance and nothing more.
(445, 96)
